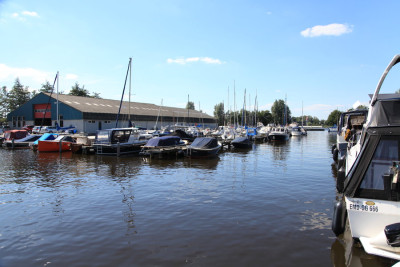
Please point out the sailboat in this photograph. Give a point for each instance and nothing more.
(119, 141)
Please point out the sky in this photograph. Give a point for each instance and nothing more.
(318, 55)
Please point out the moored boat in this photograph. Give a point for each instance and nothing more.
(370, 191)
(21, 143)
(118, 141)
(164, 146)
(242, 142)
(203, 147)
(278, 133)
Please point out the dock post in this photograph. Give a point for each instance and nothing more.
(60, 147)
(118, 149)
(12, 143)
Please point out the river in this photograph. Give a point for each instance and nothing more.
(269, 206)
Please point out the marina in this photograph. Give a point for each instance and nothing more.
(271, 205)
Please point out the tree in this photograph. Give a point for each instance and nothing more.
(3, 99)
(219, 113)
(333, 117)
(78, 91)
(278, 112)
(190, 105)
(17, 96)
(46, 88)
(265, 117)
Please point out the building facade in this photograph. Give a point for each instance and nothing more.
(88, 115)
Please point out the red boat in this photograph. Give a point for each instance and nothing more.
(54, 145)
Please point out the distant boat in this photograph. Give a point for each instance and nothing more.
(14, 134)
(278, 133)
(203, 147)
(333, 129)
(296, 131)
(242, 142)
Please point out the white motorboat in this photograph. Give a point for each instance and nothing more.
(369, 193)
(278, 133)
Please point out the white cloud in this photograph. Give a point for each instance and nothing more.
(334, 29)
(30, 13)
(7, 73)
(23, 15)
(358, 103)
(71, 76)
(183, 61)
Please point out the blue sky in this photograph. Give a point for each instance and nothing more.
(320, 54)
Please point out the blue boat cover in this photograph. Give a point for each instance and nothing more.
(204, 142)
(164, 141)
(46, 136)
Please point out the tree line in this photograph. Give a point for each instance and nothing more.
(19, 94)
(280, 114)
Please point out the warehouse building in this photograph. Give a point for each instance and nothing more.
(91, 114)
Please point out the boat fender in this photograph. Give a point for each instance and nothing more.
(340, 180)
(335, 154)
(339, 218)
(333, 148)
(341, 162)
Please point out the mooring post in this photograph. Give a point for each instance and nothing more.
(60, 146)
(12, 143)
(118, 149)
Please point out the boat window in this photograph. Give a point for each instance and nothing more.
(386, 152)
(121, 136)
(102, 136)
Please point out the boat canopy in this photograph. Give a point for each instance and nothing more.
(204, 142)
(385, 112)
(381, 151)
(15, 134)
(164, 141)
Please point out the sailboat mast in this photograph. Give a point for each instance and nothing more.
(130, 81)
(123, 91)
(58, 116)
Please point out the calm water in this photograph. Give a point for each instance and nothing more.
(270, 206)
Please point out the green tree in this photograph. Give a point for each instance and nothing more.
(4, 99)
(78, 91)
(278, 112)
(95, 95)
(333, 117)
(46, 88)
(190, 105)
(17, 96)
(219, 113)
(265, 117)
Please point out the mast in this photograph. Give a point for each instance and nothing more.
(129, 104)
(58, 116)
(155, 127)
(123, 91)
(234, 105)
(302, 116)
(284, 120)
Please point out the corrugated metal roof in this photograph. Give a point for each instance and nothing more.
(108, 106)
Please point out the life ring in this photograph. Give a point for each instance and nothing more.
(339, 218)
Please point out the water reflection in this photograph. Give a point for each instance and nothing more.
(345, 252)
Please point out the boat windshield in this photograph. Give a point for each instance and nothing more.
(385, 154)
(121, 136)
